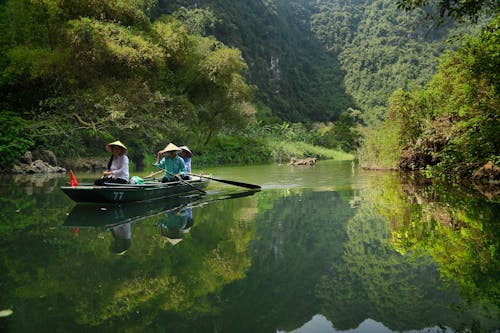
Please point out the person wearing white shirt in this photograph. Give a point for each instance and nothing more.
(117, 171)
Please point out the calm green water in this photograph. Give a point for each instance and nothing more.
(328, 248)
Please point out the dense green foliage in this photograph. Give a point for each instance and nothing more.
(263, 143)
(370, 47)
(297, 78)
(452, 124)
(82, 75)
(13, 139)
(280, 142)
(380, 48)
(457, 9)
(77, 74)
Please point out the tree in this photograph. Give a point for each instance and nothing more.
(456, 9)
(80, 73)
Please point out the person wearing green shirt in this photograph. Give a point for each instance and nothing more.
(173, 164)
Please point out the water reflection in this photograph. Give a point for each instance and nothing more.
(319, 324)
(364, 253)
(331, 253)
(121, 236)
(174, 217)
(82, 215)
(175, 224)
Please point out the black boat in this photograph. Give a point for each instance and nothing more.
(121, 193)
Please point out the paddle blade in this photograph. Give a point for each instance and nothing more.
(72, 179)
(235, 183)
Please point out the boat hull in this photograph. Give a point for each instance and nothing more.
(122, 193)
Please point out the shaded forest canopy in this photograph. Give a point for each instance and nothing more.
(76, 74)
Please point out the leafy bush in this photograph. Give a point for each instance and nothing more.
(13, 141)
(85, 75)
(232, 150)
(451, 126)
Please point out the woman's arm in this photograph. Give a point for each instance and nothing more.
(160, 164)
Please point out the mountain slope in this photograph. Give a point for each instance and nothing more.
(295, 75)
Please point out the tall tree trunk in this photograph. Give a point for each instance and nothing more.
(47, 23)
(209, 136)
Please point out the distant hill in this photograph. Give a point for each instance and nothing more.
(296, 76)
(313, 59)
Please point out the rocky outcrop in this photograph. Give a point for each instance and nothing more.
(37, 166)
(305, 161)
(428, 147)
(488, 173)
(27, 158)
(37, 161)
(45, 155)
(486, 180)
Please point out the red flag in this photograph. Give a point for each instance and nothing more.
(72, 178)
(74, 230)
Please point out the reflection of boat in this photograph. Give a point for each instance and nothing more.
(118, 193)
(93, 216)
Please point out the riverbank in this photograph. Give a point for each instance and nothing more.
(253, 151)
(223, 151)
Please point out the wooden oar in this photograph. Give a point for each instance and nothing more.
(231, 182)
(154, 173)
(186, 183)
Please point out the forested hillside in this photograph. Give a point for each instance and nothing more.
(227, 73)
(77, 74)
(312, 60)
(449, 127)
(381, 48)
(297, 78)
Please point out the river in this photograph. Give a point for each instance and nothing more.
(323, 249)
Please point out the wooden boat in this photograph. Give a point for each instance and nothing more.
(121, 193)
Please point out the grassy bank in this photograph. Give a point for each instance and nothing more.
(250, 150)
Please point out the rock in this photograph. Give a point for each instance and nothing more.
(45, 156)
(27, 158)
(36, 162)
(487, 173)
(305, 161)
(57, 169)
(19, 168)
(37, 166)
(413, 158)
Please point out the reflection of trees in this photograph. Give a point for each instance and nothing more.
(35, 183)
(374, 281)
(54, 279)
(456, 227)
(311, 253)
(298, 234)
(37, 209)
(314, 254)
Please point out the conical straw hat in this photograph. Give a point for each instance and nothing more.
(116, 143)
(174, 241)
(170, 147)
(186, 149)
